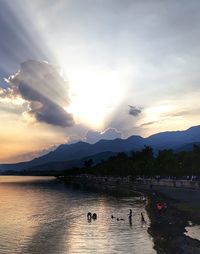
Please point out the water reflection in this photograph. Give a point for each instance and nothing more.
(193, 231)
(40, 215)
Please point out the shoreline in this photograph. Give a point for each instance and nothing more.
(167, 230)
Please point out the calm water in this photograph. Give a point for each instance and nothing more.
(41, 215)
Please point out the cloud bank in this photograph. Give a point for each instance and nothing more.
(109, 134)
(44, 91)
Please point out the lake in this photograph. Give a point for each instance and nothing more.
(42, 215)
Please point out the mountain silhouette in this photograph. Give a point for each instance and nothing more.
(175, 140)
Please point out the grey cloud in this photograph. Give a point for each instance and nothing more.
(33, 154)
(13, 109)
(109, 134)
(135, 111)
(39, 84)
(45, 110)
(167, 116)
(180, 113)
(8, 92)
(149, 123)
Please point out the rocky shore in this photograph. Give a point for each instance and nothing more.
(168, 228)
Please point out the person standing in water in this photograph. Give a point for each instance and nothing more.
(142, 218)
(130, 217)
(89, 217)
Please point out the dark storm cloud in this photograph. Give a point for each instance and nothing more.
(134, 111)
(39, 84)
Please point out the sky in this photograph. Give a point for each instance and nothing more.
(87, 70)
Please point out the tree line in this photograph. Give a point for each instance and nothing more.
(144, 163)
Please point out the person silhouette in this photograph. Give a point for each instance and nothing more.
(130, 213)
(130, 217)
(94, 216)
(142, 218)
(89, 215)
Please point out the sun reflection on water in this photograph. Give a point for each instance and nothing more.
(40, 215)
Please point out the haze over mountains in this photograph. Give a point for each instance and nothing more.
(72, 155)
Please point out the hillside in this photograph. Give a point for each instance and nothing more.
(71, 152)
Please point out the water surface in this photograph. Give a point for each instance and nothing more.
(41, 215)
(193, 231)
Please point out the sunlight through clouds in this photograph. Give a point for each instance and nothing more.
(44, 91)
(108, 55)
(94, 95)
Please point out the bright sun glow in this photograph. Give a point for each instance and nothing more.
(94, 95)
(15, 101)
(154, 114)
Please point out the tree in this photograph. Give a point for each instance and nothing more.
(88, 163)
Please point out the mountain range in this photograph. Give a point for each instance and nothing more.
(73, 155)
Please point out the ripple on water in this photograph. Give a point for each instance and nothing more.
(42, 216)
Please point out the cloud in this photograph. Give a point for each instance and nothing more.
(109, 134)
(43, 89)
(149, 123)
(9, 108)
(180, 113)
(33, 154)
(167, 116)
(134, 111)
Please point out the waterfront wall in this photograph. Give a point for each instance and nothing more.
(117, 183)
(169, 183)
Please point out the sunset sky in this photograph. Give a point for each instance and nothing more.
(90, 69)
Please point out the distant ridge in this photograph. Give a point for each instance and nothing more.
(76, 152)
